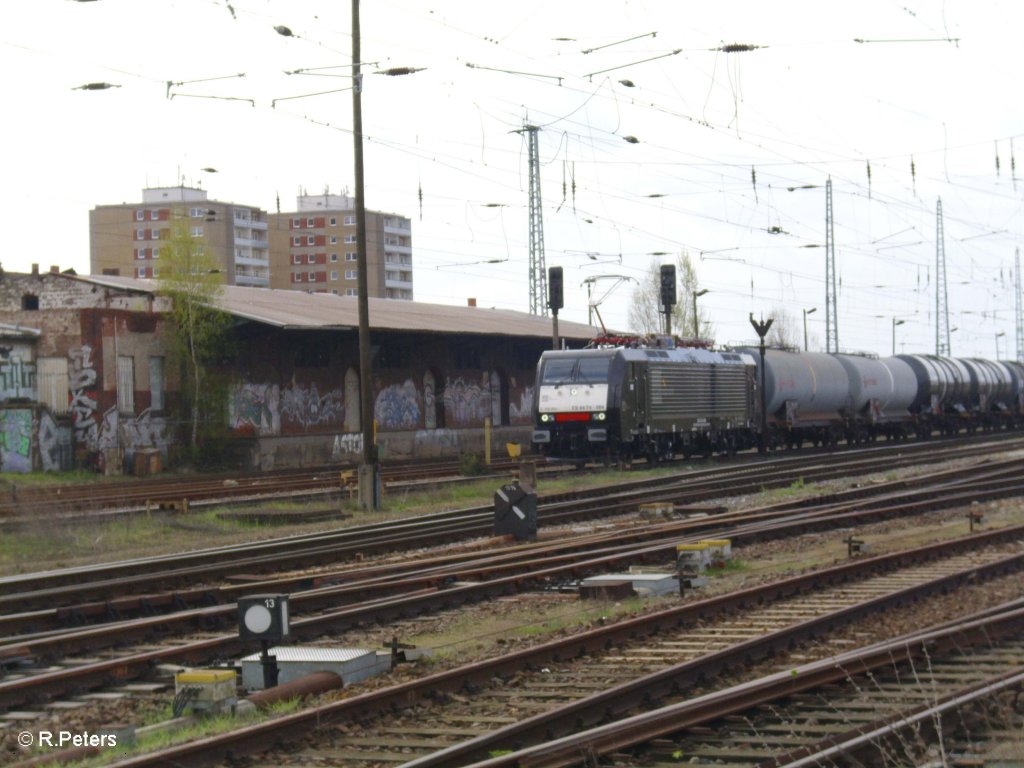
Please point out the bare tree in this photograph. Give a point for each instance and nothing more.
(785, 331)
(646, 315)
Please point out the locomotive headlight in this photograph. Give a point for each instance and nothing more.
(545, 417)
(601, 416)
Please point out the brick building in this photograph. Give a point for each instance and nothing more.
(92, 382)
(87, 379)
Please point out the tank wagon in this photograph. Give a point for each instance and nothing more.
(621, 403)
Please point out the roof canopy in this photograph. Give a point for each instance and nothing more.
(312, 311)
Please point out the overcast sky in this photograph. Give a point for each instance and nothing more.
(657, 138)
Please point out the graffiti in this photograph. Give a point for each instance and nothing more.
(83, 398)
(132, 432)
(144, 431)
(306, 407)
(255, 408)
(398, 407)
(522, 413)
(467, 403)
(54, 444)
(442, 439)
(16, 440)
(17, 379)
(347, 445)
(429, 404)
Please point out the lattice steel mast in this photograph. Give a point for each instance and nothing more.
(538, 272)
(942, 346)
(831, 314)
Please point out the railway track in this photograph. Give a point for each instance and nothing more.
(394, 578)
(179, 571)
(891, 703)
(498, 575)
(324, 610)
(21, 504)
(529, 696)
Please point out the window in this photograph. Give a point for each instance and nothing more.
(334, 274)
(350, 221)
(334, 221)
(593, 370)
(297, 240)
(311, 258)
(351, 256)
(30, 302)
(125, 384)
(351, 274)
(334, 292)
(351, 292)
(300, 277)
(155, 271)
(197, 231)
(140, 234)
(156, 383)
(312, 276)
(334, 257)
(350, 238)
(196, 213)
(297, 258)
(140, 215)
(334, 239)
(52, 383)
(156, 253)
(310, 223)
(140, 253)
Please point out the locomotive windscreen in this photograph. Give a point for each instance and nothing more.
(573, 383)
(575, 371)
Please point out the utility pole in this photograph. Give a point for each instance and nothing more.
(807, 312)
(942, 346)
(538, 273)
(369, 495)
(831, 315)
(1020, 308)
(696, 323)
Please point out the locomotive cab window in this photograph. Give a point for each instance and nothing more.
(586, 370)
(558, 372)
(593, 371)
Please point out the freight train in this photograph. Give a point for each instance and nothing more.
(619, 403)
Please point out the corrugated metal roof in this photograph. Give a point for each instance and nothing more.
(299, 310)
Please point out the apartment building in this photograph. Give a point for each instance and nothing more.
(313, 249)
(126, 239)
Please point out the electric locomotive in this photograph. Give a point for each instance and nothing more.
(620, 403)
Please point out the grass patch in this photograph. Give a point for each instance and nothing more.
(203, 727)
(532, 617)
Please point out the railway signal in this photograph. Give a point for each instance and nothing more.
(668, 294)
(556, 301)
(264, 618)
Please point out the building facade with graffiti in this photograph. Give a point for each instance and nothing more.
(92, 382)
(89, 384)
